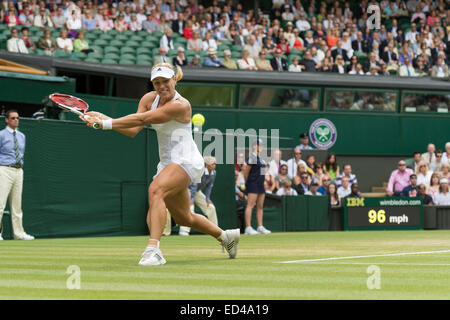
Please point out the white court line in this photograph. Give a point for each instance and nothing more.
(392, 263)
(368, 256)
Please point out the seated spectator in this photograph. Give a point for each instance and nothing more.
(195, 43)
(281, 176)
(339, 66)
(284, 46)
(15, 44)
(228, 62)
(319, 175)
(384, 71)
(421, 192)
(74, 24)
(422, 68)
(339, 51)
(209, 41)
(331, 167)
(345, 188)
(294, 162)
(399, 179)
(286, 189)
(162, 58)
(26, 18)
(433, 187)
(326, 65)
(360, 44)
(11, 19)
(359, 70)
(89, 22)
(354, 193)
(442, 198)
(302, 23)
(269, 182)
(423, 174)
(295, 66)
(311, 165)
(59, 20)
(262, 63)
(253, 47)
(120, 24)
(313, 190)
(278, 63)
(436, 164)
(47, 43)
(195, 63)
(308, 63)
(166, 41)
(440, 69)
(268, 45)
(80, 44)
(352, 65)
(323, 184)
(445, 168)
(371, 63)
(335, 200)
(276, 162)
(296, 42)
(63, 42)
(407, 69)
(302, 186)
(42, 19)
(211, 60)
(246, 63)
(180, 59)
(29, 43)
(416, 160)
(152, 23)
(188, 31)
(347, 172)
(446, 154)
(411, 189)
(135, 24)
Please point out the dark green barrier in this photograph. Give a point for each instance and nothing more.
(306, 213)
(273, 219)
(318, 213)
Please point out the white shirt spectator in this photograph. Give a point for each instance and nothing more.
(342, 192)
(442, 199)
(16, 45)
(292, 167)
(303, 25)
(165, 43)
(63, 43)
(425, 179)
(282, 192)
(273, 167)
(244, 65)
(296, 68)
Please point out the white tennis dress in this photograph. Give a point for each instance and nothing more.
(176, 145)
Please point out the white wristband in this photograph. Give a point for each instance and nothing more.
(107, 124)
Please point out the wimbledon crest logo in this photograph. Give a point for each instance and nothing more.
(323, 134)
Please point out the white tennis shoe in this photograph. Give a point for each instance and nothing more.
(263, 230)
(250, 230)
(232, 241)
(152, 256)
(25, 237)
(1, 238)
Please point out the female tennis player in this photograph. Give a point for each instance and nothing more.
(180, 160)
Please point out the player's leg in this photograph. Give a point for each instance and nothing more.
(251, 202)
(259, 214)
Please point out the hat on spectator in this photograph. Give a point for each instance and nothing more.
(227, 52)
(211, 50)
(314, 183)
(217, 24)
(443, 180)
(180, 49)
(196, 56)
(303, 135)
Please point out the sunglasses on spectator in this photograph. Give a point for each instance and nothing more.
(401, 164)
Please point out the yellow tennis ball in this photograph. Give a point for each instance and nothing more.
(198, 119)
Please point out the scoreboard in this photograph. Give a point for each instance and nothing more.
(383, 213)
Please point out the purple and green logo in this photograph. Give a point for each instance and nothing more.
(323, 134)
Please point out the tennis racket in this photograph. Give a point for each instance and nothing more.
(70, 103)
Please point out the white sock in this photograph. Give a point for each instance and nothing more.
(223, 236)
(157, 243)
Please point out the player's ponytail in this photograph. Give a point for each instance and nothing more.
(178, 74)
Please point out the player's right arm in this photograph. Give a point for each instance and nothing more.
(144, 105)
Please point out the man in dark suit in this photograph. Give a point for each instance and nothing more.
(371, 62)
(178, 24)
(239, 38)
(360, 44)
(389, 55)
(339, 51)
(309, 65)
(277, 62)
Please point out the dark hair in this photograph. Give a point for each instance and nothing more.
(25, 28)
(10, 111)
(416, 152)
(412, 176)
(329, 165)
(438, 151)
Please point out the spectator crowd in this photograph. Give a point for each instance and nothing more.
(293, 35)
(424, 175)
